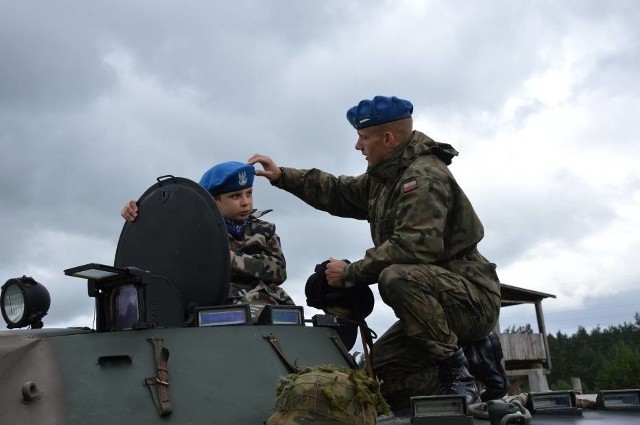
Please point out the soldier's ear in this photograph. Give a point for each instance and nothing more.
(389, 139)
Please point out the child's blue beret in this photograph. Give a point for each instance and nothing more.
(228, 177)
(379, 110)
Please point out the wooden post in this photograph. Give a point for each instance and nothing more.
(543, 331)
(537, 380)
(576, 385)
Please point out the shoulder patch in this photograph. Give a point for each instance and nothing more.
(409, 185)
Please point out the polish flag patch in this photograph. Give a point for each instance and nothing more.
(409, 185)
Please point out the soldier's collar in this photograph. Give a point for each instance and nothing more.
(388, 167)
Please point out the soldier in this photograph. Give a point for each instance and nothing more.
(425, 257)
(258, 266)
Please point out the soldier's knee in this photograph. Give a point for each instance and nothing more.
(392, 282)
(389, 277)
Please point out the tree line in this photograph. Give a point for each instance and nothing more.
(603, 359)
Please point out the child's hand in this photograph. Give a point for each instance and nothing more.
(130, 211)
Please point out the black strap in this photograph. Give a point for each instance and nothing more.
(367, 346)
(367, 335)
(159, 384)
(273, 340)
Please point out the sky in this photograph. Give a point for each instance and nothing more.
(541, 99)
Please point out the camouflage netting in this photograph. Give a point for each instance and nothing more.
(328, 395)
(503, 410)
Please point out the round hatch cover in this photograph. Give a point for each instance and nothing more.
(179, 234)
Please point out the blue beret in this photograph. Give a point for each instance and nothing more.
(379, 110)
(228, 177)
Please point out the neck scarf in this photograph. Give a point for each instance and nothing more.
(236, 228)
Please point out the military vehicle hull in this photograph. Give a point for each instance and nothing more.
(216, 375)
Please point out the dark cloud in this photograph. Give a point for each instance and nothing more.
(51, 56)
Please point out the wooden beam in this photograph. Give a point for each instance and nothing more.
(542, 329)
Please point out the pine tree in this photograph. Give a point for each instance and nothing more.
(602, 359)
(621, 370)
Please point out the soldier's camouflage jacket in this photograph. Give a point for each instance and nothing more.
(417, 212)
(258, 267)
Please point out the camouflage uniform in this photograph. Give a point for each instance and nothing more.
(425, 258)
(258, 267)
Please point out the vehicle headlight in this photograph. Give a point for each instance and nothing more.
(24, 302)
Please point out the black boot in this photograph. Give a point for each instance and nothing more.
(455, 377)
(484, 357)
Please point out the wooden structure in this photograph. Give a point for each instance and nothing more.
(526, 355)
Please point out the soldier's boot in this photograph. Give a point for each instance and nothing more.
(455, 377)
(485, 363)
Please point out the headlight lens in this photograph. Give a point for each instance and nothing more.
(13, 303)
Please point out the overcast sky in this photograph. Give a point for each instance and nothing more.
(541, 99)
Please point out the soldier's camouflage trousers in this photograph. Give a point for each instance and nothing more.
(437, 311)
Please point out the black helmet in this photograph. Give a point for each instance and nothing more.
(354, 304)
(357, 299)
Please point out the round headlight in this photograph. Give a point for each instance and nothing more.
(24, 302)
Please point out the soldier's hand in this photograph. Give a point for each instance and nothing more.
(270, 170)
(334, 272)
(130, 211)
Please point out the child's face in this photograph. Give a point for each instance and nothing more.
(235, 205)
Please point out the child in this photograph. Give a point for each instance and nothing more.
(258, 266)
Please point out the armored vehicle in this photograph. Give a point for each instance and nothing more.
(165, 348)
